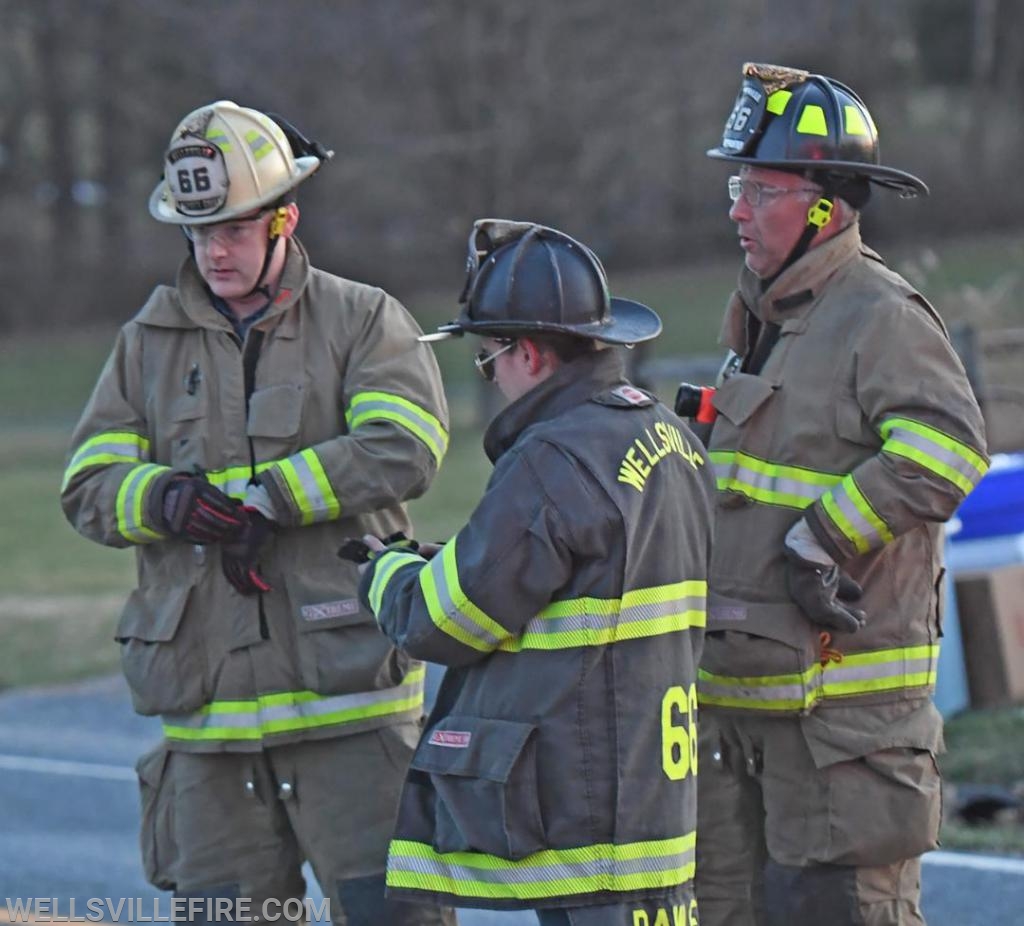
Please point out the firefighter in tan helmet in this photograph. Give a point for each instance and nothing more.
(846, 434)
(249, 418)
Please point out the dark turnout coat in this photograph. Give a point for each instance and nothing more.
(558, 766)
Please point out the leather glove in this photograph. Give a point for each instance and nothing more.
(824, 593)
(197, 511)
(239, 554)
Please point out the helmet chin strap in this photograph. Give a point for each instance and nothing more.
(277, 224)
(818, 216)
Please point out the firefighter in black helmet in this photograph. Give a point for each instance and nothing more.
(558, 768)
(846, 434)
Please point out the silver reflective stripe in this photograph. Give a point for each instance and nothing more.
(597, 868)
(942, 454)
(450, 608)
(370, 406)
(131, 503)
(771, 483)
(842, 676)
(105, 448)
(253, 719)
(601, 624)
(549, 873)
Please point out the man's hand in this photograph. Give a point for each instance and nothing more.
(240, 553)
(197, 511)
(823, 593)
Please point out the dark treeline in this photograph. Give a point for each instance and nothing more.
(592, 115)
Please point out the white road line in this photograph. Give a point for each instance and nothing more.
(64, 767)
(1003, 864)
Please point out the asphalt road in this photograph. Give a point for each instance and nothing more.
(69, 816)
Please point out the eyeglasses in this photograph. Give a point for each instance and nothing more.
(230, 234)
(759, 194)
(484, 362)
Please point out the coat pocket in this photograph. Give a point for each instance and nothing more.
(156, 835)
(741, 395)
(341, 648)
(484, 773)
(161, 655)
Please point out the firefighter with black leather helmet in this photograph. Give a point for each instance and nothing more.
(844, 434)
(558, 768)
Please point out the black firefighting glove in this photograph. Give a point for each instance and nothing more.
(194, 510)
(357, 551)
(824, 593)
(239, 555)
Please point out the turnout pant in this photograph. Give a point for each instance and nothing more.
(784, 842)
(240, 825)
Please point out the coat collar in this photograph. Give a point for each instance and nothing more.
(793, 293)
(570, 385)
(193, 307)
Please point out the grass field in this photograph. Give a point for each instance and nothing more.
(60, 594)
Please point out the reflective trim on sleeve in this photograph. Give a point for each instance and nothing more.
(770, 483)
(854, 674)
(635, 866)
(234, 480)
(450, 608)
(935, 451)
(310, 488)
(853, 515)
(292, 711)
(644, 612)
(131, 503)
(388, 565)
(105, 448)
(371, 406)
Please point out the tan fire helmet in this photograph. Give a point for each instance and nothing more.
(225, 161)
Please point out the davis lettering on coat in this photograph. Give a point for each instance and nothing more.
(648, 450)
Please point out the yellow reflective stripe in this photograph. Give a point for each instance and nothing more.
(661, 863)
(450, 608)
(388, 564)
(812, 121)
(293, 711)
(770, 483)
(130, 503)
(105, 448)
(855, 674)
(258, 143)
(368, 406)
(219, 138)
(778, 101)
(935, 451)
(234, 480)
(855, 124)
(853, 515)
(310, 488)
(640, 613)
